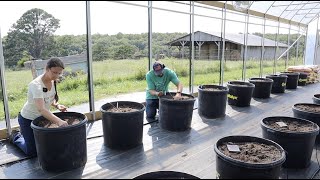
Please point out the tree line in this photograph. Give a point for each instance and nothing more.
(32, 37)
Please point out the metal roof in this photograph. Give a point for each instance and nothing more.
(253, 40)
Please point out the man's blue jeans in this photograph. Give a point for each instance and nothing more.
(151, 107)
(25, 140)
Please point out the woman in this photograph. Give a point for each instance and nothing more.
(41, 95)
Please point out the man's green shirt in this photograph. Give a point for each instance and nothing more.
(160, 83)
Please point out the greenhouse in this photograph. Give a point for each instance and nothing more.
(159, 89)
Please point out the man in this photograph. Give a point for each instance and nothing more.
(158, 81)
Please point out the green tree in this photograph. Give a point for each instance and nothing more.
(32, 32)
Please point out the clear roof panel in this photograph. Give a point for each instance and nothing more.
(298, 11)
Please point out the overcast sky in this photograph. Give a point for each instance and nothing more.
(112, 18)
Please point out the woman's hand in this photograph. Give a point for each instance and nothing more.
(62, 123)
(61, 107)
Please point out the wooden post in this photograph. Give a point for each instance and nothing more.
(33, 69)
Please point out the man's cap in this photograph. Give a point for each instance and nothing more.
(160, 71)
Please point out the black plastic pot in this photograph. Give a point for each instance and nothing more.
(302, 79)
(166, 175)
(63, 148)
(240, 93)
(212, 103)
(311, 116)
(229, 168)
(316, 98)
(279, 83)
(122, 130)
(292, 81)
(298, 145)
(175, 115)
(262, 87)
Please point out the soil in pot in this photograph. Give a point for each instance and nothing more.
(316, 98)
(252, 152)
(309, 112)
(176, 114)
(308, 107)
(212, 101)
(279, 83)
(122, 124)
(248, 157)
(262, 87)
(297, 136)
(48, 124)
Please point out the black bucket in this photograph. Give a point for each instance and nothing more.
(302, 79)
(262, 87)
(298, 145)
(229, 168)
(311, 116)
(240, 93)
(175, 115)
(316, 98)
(166, 175)
(212, 101)
(292, 81)
(122, 130)
(279, 83)
(63, 148)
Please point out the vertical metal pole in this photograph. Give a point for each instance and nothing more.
(262, 43)
(276, 50)
(149, 34)
(297, 48)
(244, 64)
(223, 35)
(192, 47)
(305, 45)
(316, 42)
(89, 57)
(4, 90)
(288, 54)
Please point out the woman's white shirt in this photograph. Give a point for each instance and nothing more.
(36, 89)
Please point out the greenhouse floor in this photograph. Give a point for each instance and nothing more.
(190, 151)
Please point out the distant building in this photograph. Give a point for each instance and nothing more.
(207, 46)
(73, 63)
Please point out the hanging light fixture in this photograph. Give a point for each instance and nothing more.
(241, 5)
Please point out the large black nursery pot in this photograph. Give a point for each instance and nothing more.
(62, 148)
(316, 98)
(262, 87)
(166, 175)
(298, 143)
(122, 123)
(302, 79)
(212, 101)
(292, 81)
(232, 168)
(240, 93)
(279, 83)
(300, 111)
(176, 115)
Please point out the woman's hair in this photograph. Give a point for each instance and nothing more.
(54, 62)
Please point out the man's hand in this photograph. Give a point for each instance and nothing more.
(177, 96)
(160, 93)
